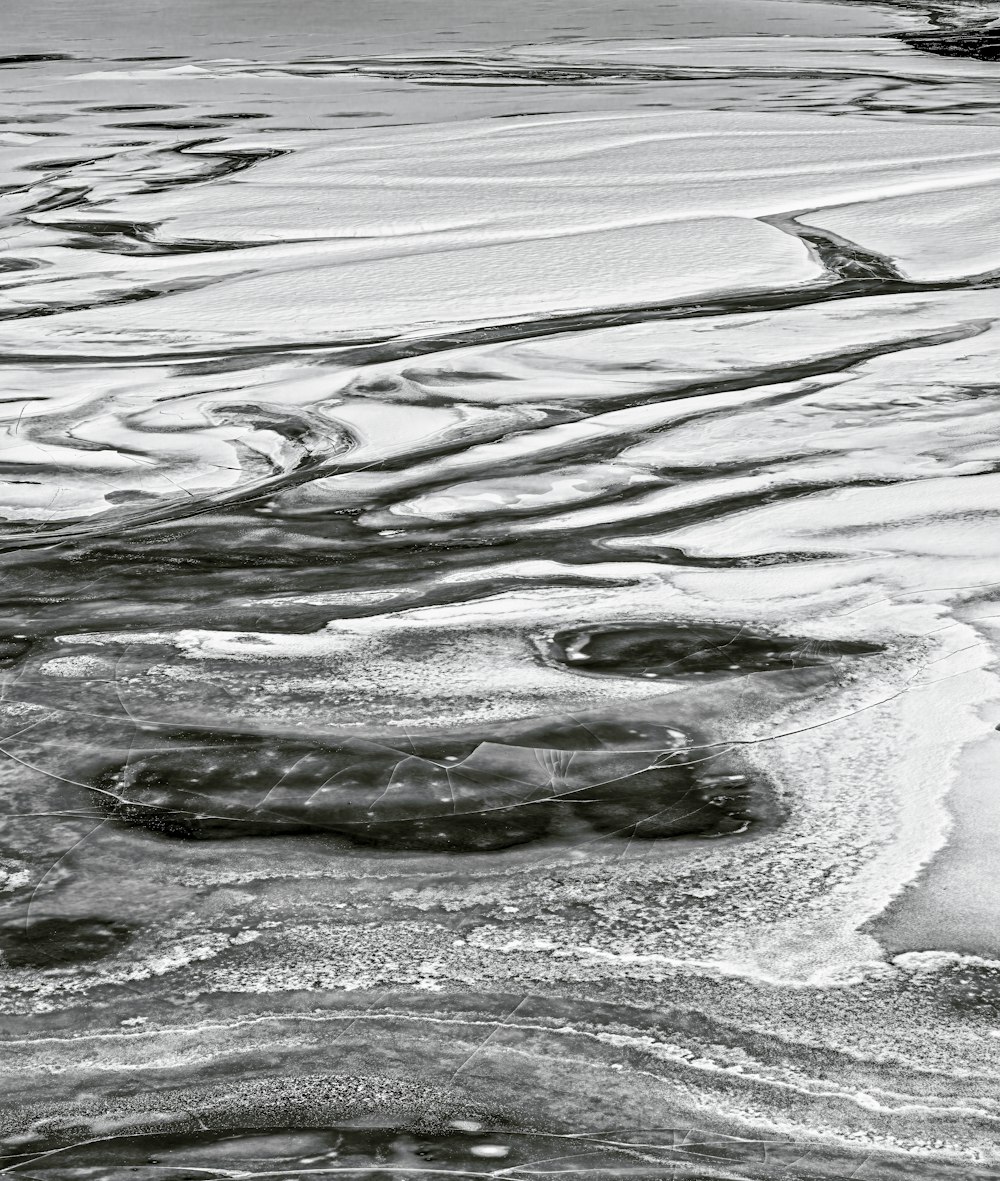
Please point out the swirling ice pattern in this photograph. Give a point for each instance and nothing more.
(499, 548)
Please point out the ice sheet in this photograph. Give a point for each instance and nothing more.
(499, 549)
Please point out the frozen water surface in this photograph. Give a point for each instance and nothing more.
(498, 515)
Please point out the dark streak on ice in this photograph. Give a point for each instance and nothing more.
(370, 1150)
(466, 794)
(41, 941)
(13, 648)
(694, 649)
(391, 347)
(24, 59)
(983, 44)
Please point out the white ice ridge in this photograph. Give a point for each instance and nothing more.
(488, 181)
(874, 389)
(425, 228)
(420, 230)
(330, 298)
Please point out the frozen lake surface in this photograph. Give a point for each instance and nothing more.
(498, 523)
